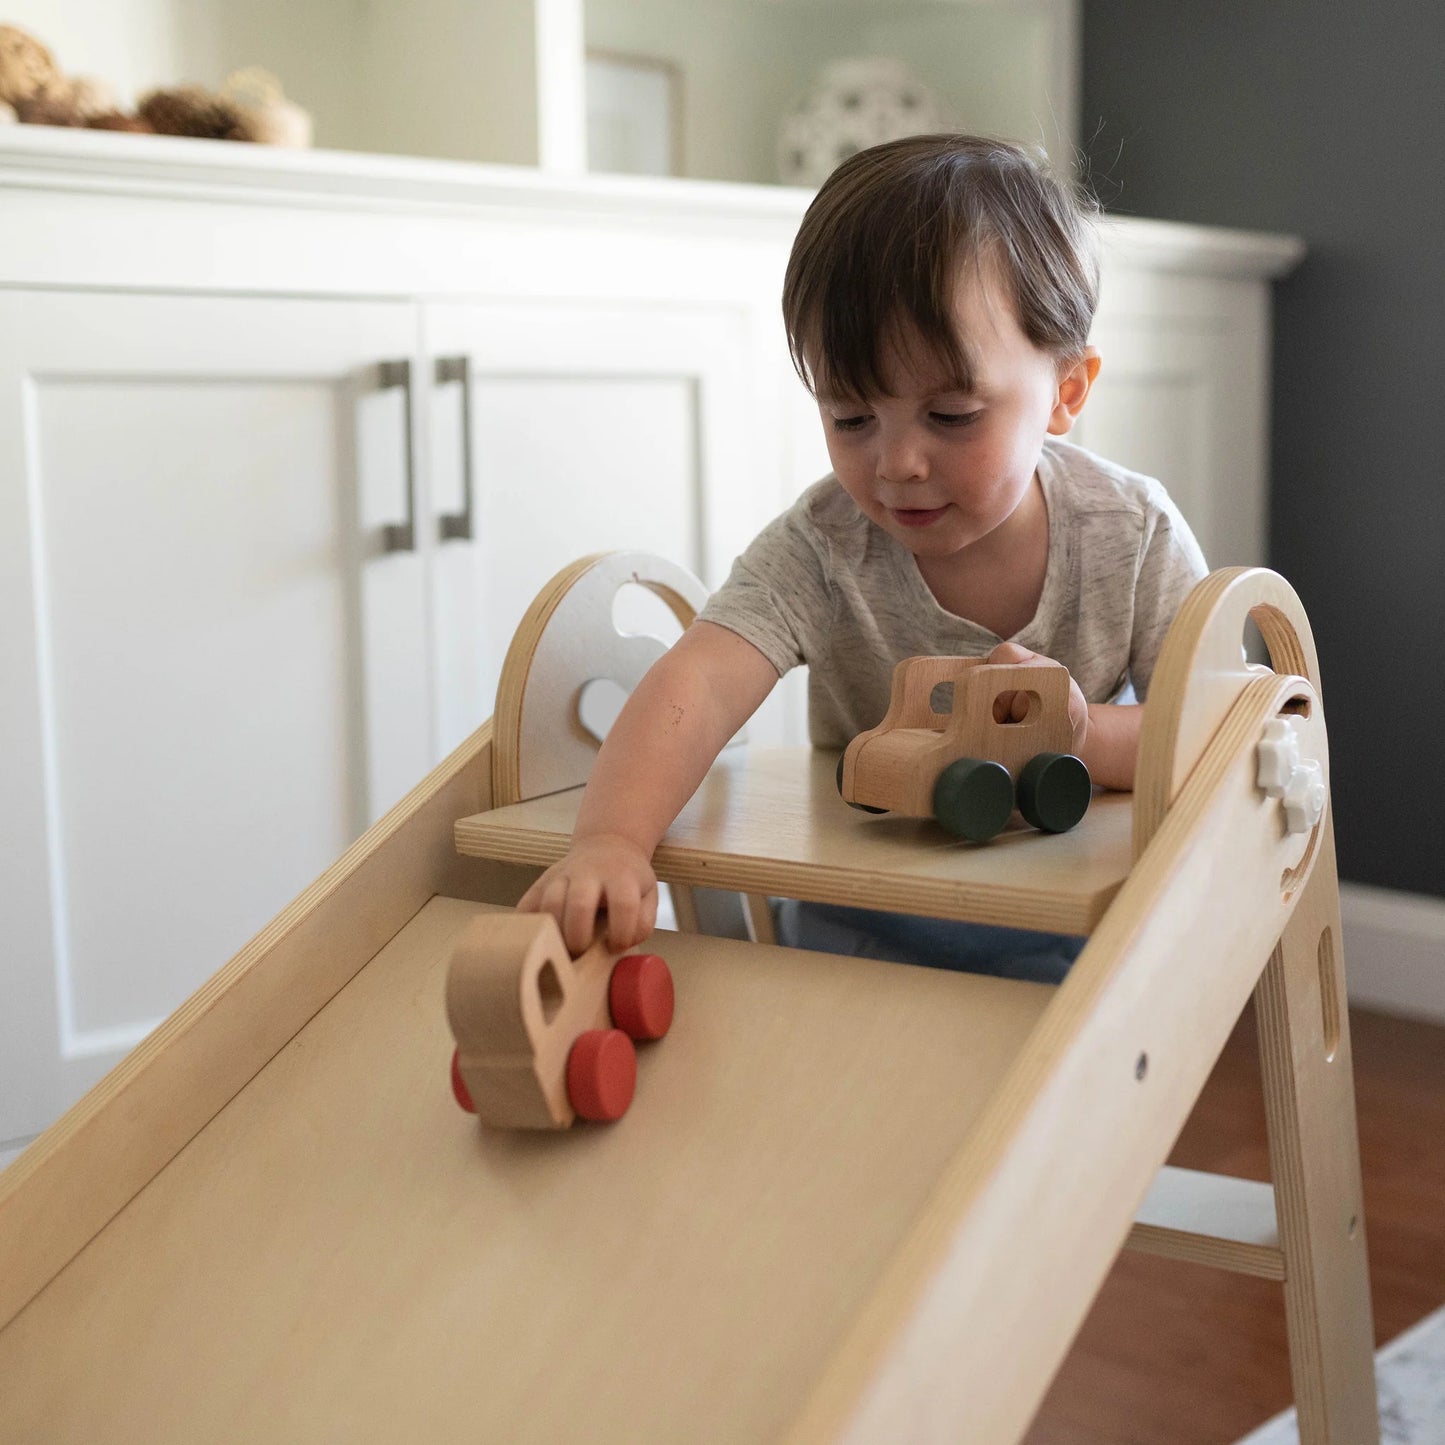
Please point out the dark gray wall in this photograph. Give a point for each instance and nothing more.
(1326, 121)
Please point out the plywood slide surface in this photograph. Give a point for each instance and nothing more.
(343, 1255)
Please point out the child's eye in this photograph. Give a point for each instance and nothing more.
(955, 418)
(849, 423)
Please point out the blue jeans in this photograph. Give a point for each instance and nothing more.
(932, 942)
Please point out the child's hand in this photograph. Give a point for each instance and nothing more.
(1013, 705)
(602, 873)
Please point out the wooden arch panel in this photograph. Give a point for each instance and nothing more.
(1202, 671)
(565, 641)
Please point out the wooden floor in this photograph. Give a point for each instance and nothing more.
(1177, 1354)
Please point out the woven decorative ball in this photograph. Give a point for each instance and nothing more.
(26, 66)
(48, 109)
(72, 100)
(191, 110)
(852, 105)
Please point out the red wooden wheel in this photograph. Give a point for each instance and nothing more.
(641, 996)
(459, 1085)
(601, 1074)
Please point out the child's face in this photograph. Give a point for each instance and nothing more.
(941, 469)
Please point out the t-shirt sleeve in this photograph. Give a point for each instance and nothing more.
(777, 595)
(1170, 565)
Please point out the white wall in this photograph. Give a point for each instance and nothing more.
(132, 44)
(994, 65)
(448, 78)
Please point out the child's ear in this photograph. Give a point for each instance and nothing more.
(1076, 378)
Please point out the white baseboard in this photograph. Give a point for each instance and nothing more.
(1394, 950)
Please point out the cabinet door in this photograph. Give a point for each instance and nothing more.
(591, 428)
(1181, 396)
(213, 669)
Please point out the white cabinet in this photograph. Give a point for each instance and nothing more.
(213, 673)
(261, 562)
(1183, 329)
(244, 613)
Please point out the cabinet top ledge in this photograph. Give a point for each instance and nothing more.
(100, 162)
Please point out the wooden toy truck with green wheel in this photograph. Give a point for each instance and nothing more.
(967, 741)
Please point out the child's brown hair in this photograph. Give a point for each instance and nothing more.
(885, 241)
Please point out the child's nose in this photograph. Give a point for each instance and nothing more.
(902, 459)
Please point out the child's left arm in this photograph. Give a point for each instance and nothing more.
(1110, 748)
(1106, 734)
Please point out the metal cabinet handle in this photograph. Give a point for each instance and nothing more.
(459, 524)
(401, 536)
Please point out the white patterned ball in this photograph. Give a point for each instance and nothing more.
(852, 105)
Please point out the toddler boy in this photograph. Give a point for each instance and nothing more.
(937, 301)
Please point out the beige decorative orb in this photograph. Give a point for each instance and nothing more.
(854, 104)
(271, 118)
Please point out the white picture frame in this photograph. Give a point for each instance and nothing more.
(634, 114)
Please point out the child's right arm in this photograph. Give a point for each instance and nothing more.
(678, 719)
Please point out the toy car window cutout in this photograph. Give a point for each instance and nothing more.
(549, 990)
(1006, 711)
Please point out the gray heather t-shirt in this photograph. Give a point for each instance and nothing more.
(824, 587)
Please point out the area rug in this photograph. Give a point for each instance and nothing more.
(1410, 1379)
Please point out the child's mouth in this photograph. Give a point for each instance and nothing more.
(917, 516)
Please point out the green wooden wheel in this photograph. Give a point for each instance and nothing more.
(973, 798)
(861, 807)
(1054, 791)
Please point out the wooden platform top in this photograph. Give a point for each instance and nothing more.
(770, 820)
(343, 1255)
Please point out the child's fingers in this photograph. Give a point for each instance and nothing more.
(552, 894)
(623, 907)
(647, 920)
(579, 914)
(547, 895)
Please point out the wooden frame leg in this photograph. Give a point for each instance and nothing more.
(684, 906)
(722, 913)
(1304, 1042)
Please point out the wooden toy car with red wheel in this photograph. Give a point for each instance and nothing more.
(543, 1037)
(966, 741)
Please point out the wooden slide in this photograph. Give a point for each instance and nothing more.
(851, 1201)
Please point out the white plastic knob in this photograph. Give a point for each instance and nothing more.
(1304, 797)
(1279, 756)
